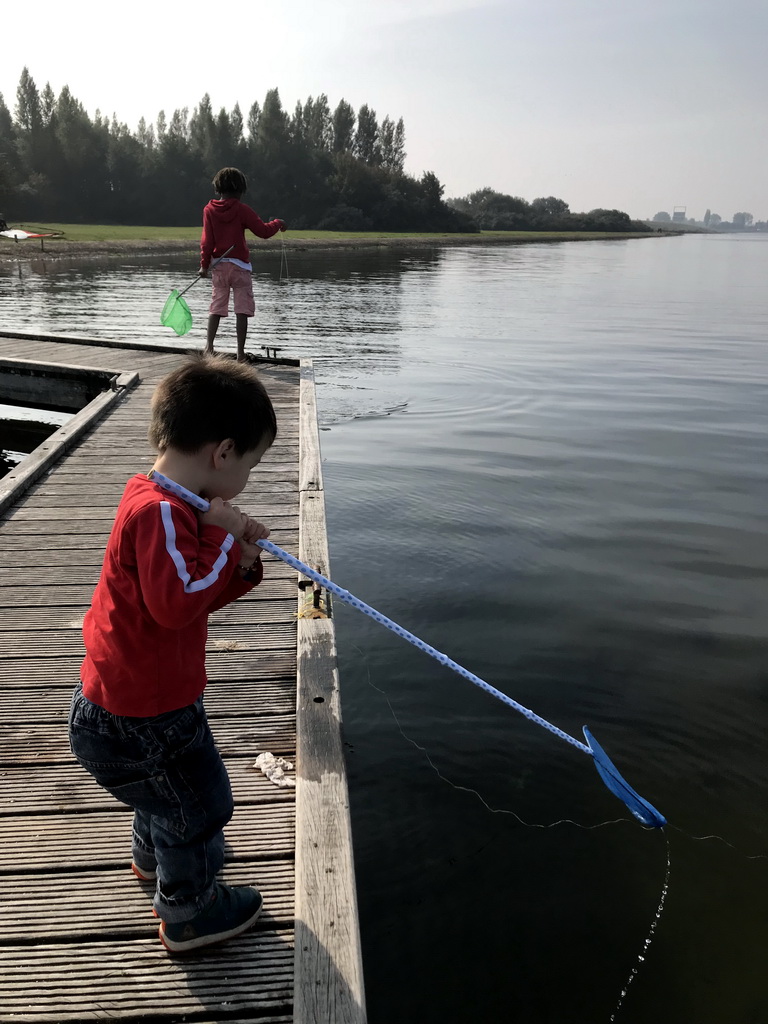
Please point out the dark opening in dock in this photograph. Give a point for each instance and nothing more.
(37, 399)
(44, 409)
(22, 429)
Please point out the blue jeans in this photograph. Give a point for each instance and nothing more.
(167, 768)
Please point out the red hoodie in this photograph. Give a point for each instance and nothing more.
(224, 224)
(145, 633)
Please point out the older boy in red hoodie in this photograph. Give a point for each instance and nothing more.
(224, 222)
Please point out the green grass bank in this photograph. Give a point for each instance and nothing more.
(117, 239)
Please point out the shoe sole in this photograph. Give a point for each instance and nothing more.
(144, 876)
(206, 940)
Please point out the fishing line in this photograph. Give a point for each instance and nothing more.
(468, 789)
(563, 821)
(746, 856)
(649, 937)
(283, 259)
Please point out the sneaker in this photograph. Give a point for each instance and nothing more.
(144, 874)
(232, 911)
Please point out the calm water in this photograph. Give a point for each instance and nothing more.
(549, 462)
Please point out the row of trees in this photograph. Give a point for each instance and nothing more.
(316, 167)
(495, 211)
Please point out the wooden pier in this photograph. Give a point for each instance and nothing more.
(78, 941)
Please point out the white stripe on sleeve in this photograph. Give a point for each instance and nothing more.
(190, 586)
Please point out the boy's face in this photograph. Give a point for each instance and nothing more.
(232, 476)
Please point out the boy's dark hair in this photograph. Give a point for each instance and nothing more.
(211, 398)
(230, 182)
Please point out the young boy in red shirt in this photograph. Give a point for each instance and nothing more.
(224, 222)
(137, 722)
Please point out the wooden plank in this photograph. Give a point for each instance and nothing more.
(43, 346)
(93, 535)
(35, 789)
(56, 643)
(252, 612)
(102, 839)
(232, 666)
(274, 568)
(91, 898)
(67, 594)
(222, 700)
(30, 575)
(47, 743)
(280, 491)
(19, 527)
(74, 479)
(54, 984)
(127, 442)
(327, 930)
(100, 347)
(285, 513)
(25, 549)
(88, 575)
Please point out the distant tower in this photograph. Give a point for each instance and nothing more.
(678, 214)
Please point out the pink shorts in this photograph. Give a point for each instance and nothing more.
(228, 276)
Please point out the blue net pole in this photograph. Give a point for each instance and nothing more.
(610, 775)
(361, 606)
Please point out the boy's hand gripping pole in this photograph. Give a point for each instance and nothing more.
(223, 256)
(610, 775)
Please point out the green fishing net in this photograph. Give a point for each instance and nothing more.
(176, 314)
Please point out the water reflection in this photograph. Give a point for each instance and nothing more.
(346, 310)
(334, 305)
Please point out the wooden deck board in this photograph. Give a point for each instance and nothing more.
(269, 697)
(37, 789)
(27, 553)
(64, 842)
(51, 842)
(93, 895)
(68, 594)
(253, 612)
(131, 980)
(258, 665)
(57, 643)
(31, 742)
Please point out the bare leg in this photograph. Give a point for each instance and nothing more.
(213, 326)
(241, 329)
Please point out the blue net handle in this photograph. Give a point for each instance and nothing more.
(344, 595)
(361, 606)
(610, 775)
(615, 782)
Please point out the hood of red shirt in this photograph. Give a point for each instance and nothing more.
(226, 209)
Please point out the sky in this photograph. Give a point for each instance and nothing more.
(640, 106)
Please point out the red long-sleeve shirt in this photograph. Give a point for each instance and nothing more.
(224, 224)
(164, 572)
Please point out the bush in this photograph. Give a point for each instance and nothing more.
(345, 218)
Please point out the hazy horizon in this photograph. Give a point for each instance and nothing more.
(641, 108)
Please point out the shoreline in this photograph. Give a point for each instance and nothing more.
(30, 250)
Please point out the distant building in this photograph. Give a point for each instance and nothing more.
(678, 214)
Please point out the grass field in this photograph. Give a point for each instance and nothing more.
(116, 232)
(136, 234)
